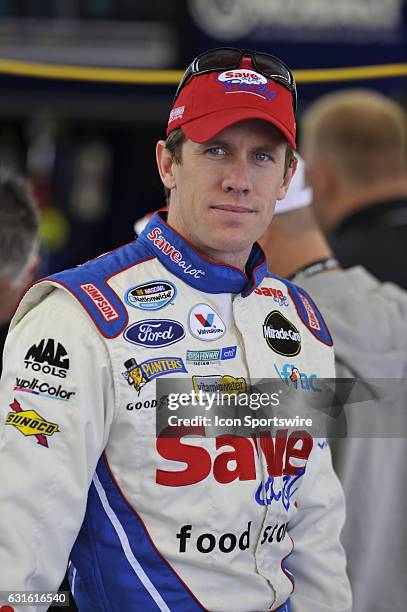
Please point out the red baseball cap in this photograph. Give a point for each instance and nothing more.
(211, 102)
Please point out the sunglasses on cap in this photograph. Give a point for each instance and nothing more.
(229, 58)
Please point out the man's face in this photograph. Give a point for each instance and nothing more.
(224, 191)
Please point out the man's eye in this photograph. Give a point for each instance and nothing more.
(262, 156)
(216, 151)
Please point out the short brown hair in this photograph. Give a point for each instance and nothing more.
(176, 139)
(361, 131)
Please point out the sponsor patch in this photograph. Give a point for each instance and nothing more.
(30, 423)
(281, 335)
(44, 389)
(312, 317)
(205, 323)
(139, 405)
(211, 356)
(225, 384)
(292, 376)
(108, 312)
(154, 333)
(176, 113)
(139, 374)
(242, 75)
(49, 357)
(277, 295)
(174, 255)
(152, 295)
(244, 80)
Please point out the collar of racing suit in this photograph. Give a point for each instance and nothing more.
(183, 260)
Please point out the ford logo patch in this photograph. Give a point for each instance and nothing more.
(154, 333)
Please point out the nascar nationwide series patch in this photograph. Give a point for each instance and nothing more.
(153, 295)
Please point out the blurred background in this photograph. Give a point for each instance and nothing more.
(86, 88)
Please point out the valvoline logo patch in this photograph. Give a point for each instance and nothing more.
(205, 323)
(154, 333)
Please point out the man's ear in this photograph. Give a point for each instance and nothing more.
(165, 164)
(323, 180)
(287, 180)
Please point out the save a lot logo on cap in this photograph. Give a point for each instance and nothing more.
(30, 423)
(153, 295)
(244, 80)
(281, 335)
(205, 323)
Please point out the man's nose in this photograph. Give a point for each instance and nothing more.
(237, 177)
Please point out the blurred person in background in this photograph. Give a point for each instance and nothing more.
(152, 522)
(355, 145)
(19, 243)
(367, 319)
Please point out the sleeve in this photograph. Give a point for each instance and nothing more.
(57, 404)
(318, 559)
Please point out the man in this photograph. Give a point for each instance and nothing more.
(367, 320)
(355, 145)
(18, 243)
(170, 522)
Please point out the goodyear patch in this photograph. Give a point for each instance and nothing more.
(30, 423)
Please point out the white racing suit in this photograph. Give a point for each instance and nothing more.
(218, 523)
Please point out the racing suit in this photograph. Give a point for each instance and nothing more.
(151, 523)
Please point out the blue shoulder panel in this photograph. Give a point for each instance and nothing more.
(88, 283)
(307, 311)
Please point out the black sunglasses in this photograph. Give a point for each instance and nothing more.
(229, 58)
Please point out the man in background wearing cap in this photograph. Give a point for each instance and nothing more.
(367, 321)
(155, 522)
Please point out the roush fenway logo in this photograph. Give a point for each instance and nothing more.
(100, 301)
(278, 453)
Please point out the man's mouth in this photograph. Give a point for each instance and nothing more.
(232, 208)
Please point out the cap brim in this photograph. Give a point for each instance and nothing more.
(205, 128)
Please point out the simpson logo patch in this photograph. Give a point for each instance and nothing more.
(30, 423)
(100, 301)
(312, 317)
